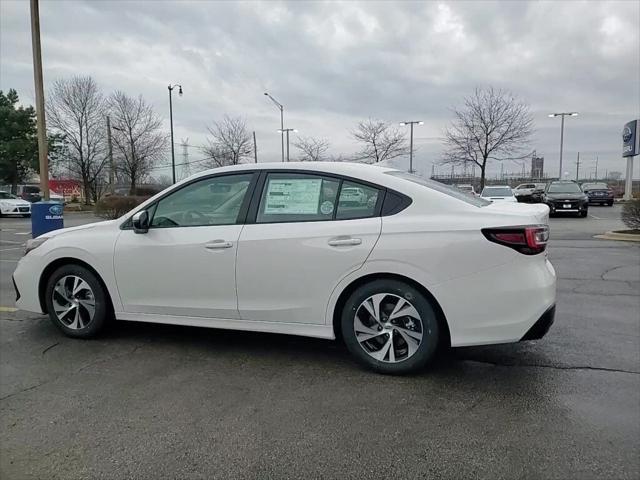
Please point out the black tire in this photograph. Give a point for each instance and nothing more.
(610, 204)
(430, 328)
(26, 216)
(583, 213)
(103, 311)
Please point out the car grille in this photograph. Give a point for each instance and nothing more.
(23, 209)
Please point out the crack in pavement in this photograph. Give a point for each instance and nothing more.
(84, 367)
(553, 367)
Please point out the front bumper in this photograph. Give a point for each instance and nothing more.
(21, 210)
(572, 206)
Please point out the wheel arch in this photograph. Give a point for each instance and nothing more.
(59, 262)
(445, 338)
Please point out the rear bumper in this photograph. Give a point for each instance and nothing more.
(542, 326)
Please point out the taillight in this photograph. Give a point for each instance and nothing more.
(529, 240)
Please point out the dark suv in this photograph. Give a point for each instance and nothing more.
(566, 197)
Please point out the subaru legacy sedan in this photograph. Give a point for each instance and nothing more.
(284, 248)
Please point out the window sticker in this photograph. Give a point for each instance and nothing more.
(293, 196)
(326, 208)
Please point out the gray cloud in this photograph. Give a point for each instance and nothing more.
(332, 64)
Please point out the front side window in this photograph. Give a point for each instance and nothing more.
(212, 201)
(297, 197)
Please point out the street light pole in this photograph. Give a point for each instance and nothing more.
(173, 154)
(287, 130)
(110, 152)
(282, 130)
(562, 114)
(411, 124)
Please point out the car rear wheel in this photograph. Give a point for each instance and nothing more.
(77, 302)
(390, 327)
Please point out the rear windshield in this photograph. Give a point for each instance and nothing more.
(595, 186)
(440, 187)
(568, 187)
(497, 192)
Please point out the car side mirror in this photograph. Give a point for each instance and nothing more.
(140, 222)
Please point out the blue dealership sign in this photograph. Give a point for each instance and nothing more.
(631, 139)
(46, 216)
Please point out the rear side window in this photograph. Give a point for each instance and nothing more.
(441, 188)
(297, 197)
(357, 201)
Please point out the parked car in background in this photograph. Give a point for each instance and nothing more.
(283, 248)
(32, 193)
(499, 193)
(599, 193)
(12, 205)
(564, 196)
(524, 192)
(467, 188)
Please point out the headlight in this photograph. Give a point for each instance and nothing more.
(34, 243)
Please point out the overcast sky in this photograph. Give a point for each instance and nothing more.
(332, 64)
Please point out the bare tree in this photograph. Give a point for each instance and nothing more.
(491, 125)
(76, 111)
(311, 149)
(137, 137)
(230, 142)
(380, 141)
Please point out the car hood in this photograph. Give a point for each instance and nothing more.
(599, 190)
(15, 202)
(88, 226)
(565, 196)
(539, 211)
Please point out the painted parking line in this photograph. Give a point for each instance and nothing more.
(8, 309)
(593, 216)
(11, 242)
(12, 248)
(22, 233)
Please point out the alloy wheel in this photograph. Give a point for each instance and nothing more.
(388, 327)
(74, 302)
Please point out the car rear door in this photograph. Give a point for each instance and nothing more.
(300, 240)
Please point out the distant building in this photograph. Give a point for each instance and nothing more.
(537, 166)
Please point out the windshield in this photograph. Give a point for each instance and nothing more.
(595, 186)
(568, 187)
(441, 187)
(497, 192)
(6, 196)
(525, 185)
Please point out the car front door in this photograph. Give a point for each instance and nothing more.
(305, 238)
(185, 264)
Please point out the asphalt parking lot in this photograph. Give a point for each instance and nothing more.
(150, 401)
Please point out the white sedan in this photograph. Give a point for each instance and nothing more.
(273, 248)
(12, 205)
(499, 193)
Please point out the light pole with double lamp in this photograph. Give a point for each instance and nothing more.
(281, 108)
(562, 114)
(411, 123)
(287, 130)
(173, 154)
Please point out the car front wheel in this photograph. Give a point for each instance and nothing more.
(77, 302)
(390, 327)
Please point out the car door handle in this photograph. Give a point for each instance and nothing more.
(217, 244)
(342, 242)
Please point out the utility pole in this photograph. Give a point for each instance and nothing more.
(173, 155)
(578, 167)
(288, 130)
(112, 186)
(255, 148)
(562, 115)
(186, 169)
(596, 167)
(43, 154)
(412, 123)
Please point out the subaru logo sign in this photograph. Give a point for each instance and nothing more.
(626, 134)
(631, 139)
(55, 209)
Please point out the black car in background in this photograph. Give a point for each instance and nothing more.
(599, 193)
(566, 197)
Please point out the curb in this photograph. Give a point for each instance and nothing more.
(625, 237)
